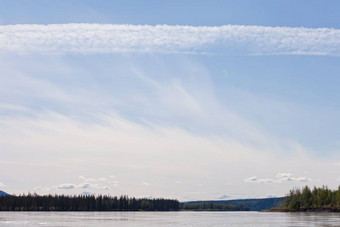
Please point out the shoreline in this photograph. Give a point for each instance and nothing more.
(306, 210)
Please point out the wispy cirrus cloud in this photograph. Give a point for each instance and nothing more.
(111, 38)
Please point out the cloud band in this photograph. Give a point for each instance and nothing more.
(110, 38)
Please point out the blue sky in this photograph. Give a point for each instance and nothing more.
(181, 99)
(290, 13)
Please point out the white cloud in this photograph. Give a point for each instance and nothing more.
(155, 154)
(256, 180)
(85, 179)
(2, 185)
(267, 180)
(251, 179)
(303, 179)
(281, 177)
(66, 186)
(227, 39)
(81, 186)
(291, 178)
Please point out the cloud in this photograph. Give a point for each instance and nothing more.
(132, 151)
(100, 179)
(81, 186)
(251, 179)
(267, 180)
(87, 179)
(302, 179)
(2, 185)
(256, 180)
(281, 177)
(66, 186)
(93, 186)
(286, 177)
(111, 38)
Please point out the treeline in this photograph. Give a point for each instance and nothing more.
(211, 206)
(306, 199)
(34, 202)
(255, 204)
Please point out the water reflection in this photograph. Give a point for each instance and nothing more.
(173, 219)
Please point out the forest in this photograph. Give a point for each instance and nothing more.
(317, 199)
(298, 199)
(211, 206)
(249, 204)
(34, 202)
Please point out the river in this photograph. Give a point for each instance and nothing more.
(163, 219)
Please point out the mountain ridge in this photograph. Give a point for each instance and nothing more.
(2, 193)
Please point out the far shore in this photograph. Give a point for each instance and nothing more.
(302, 210)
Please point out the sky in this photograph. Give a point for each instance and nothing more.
(194, 100)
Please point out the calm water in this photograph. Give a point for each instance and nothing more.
(160, 219)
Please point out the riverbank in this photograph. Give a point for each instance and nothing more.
(315, 210)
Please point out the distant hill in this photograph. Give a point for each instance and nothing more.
(2, 193)
(211, 206)
(252, 204)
